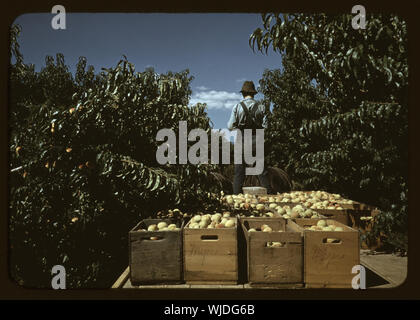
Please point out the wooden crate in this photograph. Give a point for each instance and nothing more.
(211, 255)
(356, 215)
(356, 206)
(292, 205)
(248, 214)
(329, 265)
(349, 217)
(155, 261)
(283, 204)
(338, 215)
(365, 226)
(356, 210)
(268, 265)
(352, 218)
(254, 190)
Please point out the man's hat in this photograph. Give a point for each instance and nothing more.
(248, 87)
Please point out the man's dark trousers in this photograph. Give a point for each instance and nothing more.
(239, 176)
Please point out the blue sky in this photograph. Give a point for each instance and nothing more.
(214, 47)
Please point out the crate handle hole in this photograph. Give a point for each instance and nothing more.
(213, 237)
(154, 238)
(274, 244)
(331, 240)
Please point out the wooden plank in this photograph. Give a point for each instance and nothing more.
(390, 267)
(273, 285)
(326, 286)
(122, 279)
(129, 285)
(216, 286)
(213, 284)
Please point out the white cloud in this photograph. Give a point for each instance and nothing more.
(216, 99)
(202, 88)
(240, 80)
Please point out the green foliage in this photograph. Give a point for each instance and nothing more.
(86, 148)
(341, 109)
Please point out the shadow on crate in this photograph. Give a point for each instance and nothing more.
(242, 258)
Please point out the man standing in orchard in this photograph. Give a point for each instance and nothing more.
(248, 114)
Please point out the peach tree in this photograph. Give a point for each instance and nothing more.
(83, 165)
(341, 109)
